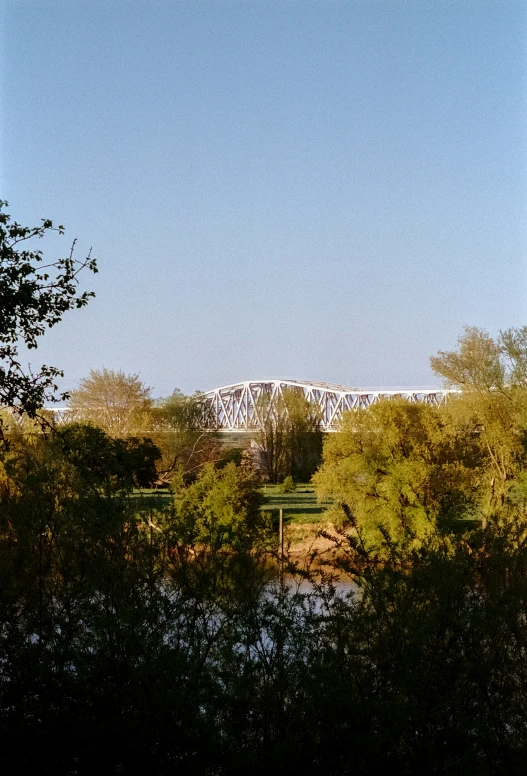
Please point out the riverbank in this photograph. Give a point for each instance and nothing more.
(308, 528)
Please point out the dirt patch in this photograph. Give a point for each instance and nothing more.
(305, 540)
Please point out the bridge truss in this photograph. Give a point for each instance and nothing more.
(238, 407)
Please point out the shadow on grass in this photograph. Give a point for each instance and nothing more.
(300, 506)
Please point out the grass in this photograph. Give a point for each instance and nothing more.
(152, 498)
(300, 506)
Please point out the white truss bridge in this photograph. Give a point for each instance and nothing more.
(238, 407)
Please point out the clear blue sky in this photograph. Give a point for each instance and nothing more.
(321, 190)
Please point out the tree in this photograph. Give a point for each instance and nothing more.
(112, 464)
(272, 437)
(482, 363)
(33, 297)
(222, 507)
(405, 470)
(185, 430)
(304, 436)
(513, 346)
(401, 470)
(492, 376)
(290, 439)
(139, 456)
(120, 404)
(288, 485)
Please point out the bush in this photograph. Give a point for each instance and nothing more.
(288, 485)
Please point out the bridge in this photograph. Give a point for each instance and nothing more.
(238, 407)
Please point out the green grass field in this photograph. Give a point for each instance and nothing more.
(300, 506)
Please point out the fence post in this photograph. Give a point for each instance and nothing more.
(281, 545)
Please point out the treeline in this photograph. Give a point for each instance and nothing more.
(179, 434)
(142, 634)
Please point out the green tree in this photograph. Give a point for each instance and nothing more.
(291, 438)
(134, 634)
(492, 377)
(91, 454)
(272, 437)
(118, 403)
(185, 430)
(140, 456)
(112, 464)
(476, 365)
(401, 469)
(288, 485)
(482, 363)
(34, 295)
(221, 507)
(305, 436)
(513, 346)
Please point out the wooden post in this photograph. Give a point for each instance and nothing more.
(281, 545)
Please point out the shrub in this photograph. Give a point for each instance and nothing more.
(288, 485)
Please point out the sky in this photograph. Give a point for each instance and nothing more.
(319, 189)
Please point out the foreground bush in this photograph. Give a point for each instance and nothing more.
(128, 644)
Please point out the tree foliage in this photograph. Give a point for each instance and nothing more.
(118, 403)
(100, 462)
(185, 430)
(290, 440)
(492, 376)
(402, 470)
(182, 428)
(482, 363)
(222, 506)
(34, 295)
(477, 363)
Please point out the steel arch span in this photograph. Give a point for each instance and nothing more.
(237, 406)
